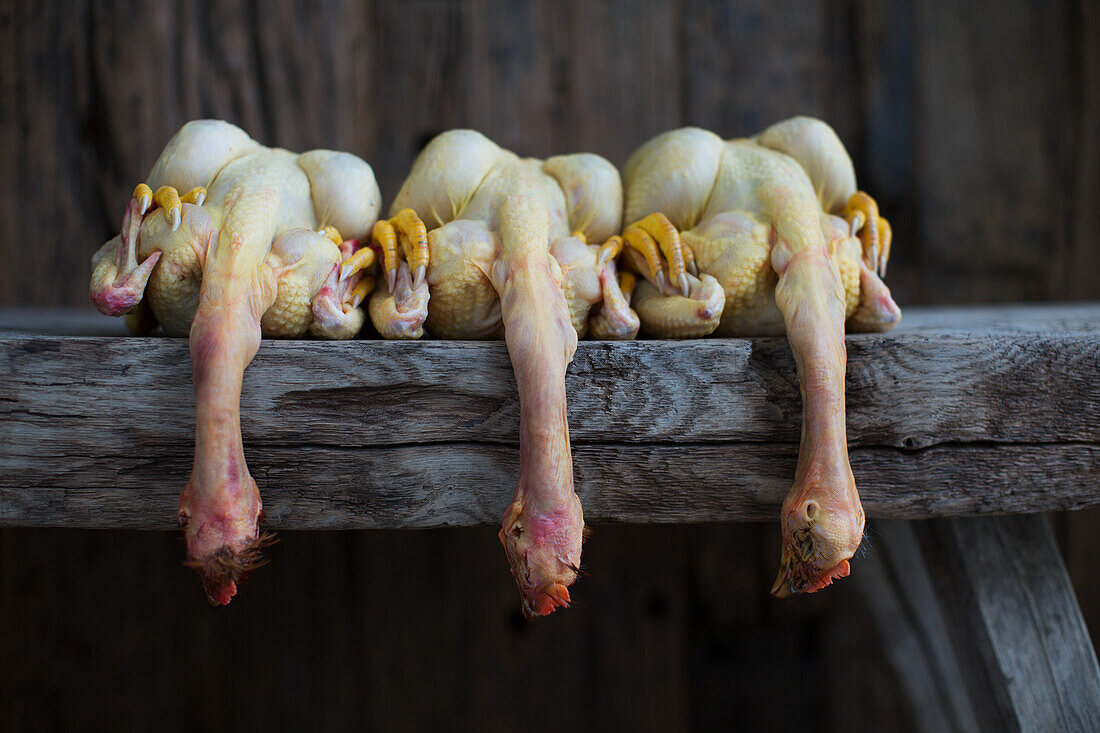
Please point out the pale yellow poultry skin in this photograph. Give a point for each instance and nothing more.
(509, 256)
(781, 241)
(250, 249)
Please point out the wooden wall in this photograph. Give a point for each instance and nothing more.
(975, 124)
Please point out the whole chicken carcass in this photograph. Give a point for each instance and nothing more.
(507, 255)
(751, 237)
(251, 248)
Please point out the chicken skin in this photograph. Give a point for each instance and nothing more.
(507, 254)
(250, 249)
(759, 236)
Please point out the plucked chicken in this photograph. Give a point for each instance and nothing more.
(228, 241)
(752, 237)
(510, 252)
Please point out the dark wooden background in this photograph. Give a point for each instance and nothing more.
(975, 124)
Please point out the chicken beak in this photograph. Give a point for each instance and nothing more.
(782, 587)
(793, 580)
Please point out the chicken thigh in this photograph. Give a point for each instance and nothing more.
(760, 236)
(252, 248)
(507, 255)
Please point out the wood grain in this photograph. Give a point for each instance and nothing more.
(980, 621)
(943, 421)
(1014, 623)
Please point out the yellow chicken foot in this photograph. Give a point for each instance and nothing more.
(654, 236)
(626, 285)
(609, 250)
(644, 245)
(689, 258)
(874, 231)
(169, 201)
(361, 290)
(144, 196)
(363, 259)
(196, 196)
(694, 310)
(332, 234)
(408, 230)
(384, 237)
(400, 313)
(886, 234)
(355, 259)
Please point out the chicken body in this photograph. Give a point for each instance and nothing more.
(509, 257)
(769, 225)
(251, 250)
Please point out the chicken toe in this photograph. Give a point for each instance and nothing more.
(399, 307)
(118, 280)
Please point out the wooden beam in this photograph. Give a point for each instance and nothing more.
(980, 620)
(950, 415)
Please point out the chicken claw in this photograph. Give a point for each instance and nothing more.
(400, 313)
(626, 285)
(144, 196)
(691, 311)
(363, 259)
(398, 310)
(874, 231)
(169, 200)
(409, 230)
(654, 236)
(609, 250)
(332, 234)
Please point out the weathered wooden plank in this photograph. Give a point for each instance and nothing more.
(1001, 318)
(904, 390)
(943, 421)
(1013, 621)
(462, 484)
